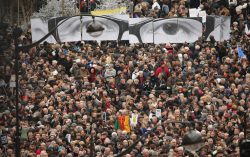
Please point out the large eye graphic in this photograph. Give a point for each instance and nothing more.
(40, 29)
(100, 27)
(91, 29)
(171, 30)
(95, 28)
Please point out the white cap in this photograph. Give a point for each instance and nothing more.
(55, 72)
(54, 61)
(78, 60)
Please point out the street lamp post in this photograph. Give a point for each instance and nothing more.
(17, 103)
(16, 34)
(18, 13)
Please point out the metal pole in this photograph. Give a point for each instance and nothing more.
(153, 31)
(17, 138)
(88, 6)
(81, 25)
(75, 7)
(248, 11)
(221, 31)
(5, 151)
(245, 125)
(63, 7)
(80, 18)
(92, 143)
(79, 6)
(129, 149)
(18, 16)
(91, 138)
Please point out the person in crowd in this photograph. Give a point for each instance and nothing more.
(82, 99)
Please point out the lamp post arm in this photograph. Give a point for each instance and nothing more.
(194, 153)
(17, 135)
(129, 149)
(26, 47)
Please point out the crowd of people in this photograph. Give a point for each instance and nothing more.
(96, 99)
(180, 8)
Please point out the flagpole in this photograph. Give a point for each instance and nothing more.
(153, 31)
(80, 18)
(63, 7)
(81, 26)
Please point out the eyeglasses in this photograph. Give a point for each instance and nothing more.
(166, 30)
(146, 30)
(71, 28)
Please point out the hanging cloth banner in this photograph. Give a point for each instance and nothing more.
(120, 10)
(136, 30)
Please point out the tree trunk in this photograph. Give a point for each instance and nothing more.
(9, 10)
(23, 17)
(12, 12)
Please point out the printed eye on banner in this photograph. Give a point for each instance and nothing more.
(173, 30)
(39, 28)
(94, 28)
(177, 30)
(137, 32)
(134, 30)
(219, 27)
(110, 28)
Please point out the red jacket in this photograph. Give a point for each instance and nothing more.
(92, 76)
(162, 69)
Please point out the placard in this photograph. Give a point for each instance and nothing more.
(4, 139)
(158, 113)
(203, 15)
(193, 12)
(134, 119)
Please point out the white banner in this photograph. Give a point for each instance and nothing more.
(136, 30)
(77, 28)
